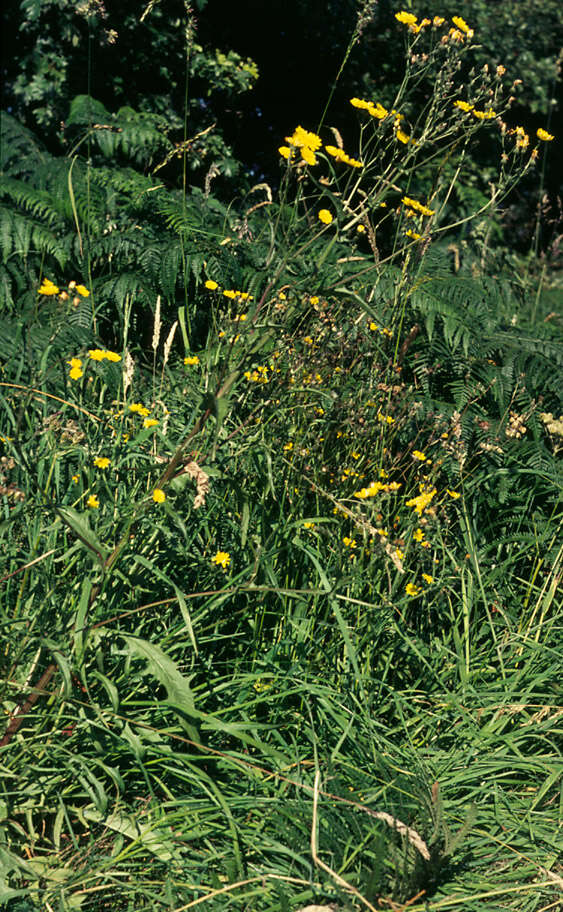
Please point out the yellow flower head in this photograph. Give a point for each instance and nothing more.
(406, 18)
(544, 135)
(462, 26)
(211, 285)
(93, 503)
(325, 216)
(463, 106)
(411, 589)
(82, 291)
(422, 501)
(222, 559)
(101, 462)
(139, 409)
(158, 495)
(48, 288)
(191, 359)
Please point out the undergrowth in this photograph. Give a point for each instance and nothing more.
(281, 513)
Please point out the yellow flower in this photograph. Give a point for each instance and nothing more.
(75, 479)
(96, 354)
(463, 106)
(418, 455)
(101, 462)
(308, 156)
(453, 494)
(413, 234)
(438, 20)
(211, 285)
(191, 359)
(82, 291)
(301, 138)
(418, 207)
(285, 151)
(462, 26)
(48, 288)
(544, 135)
(93, 502)
(405, 18)
(401, 136)
(139, 409)
(325, 217)
(76, 371)
(222, 559)
(418, 535)
(150, 422)
(288, 446)
(485, 115)
(158, 495)
(411, 589)
(349, 542)
(421, 502)
(427, 578)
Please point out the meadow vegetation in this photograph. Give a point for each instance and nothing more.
(281, 511)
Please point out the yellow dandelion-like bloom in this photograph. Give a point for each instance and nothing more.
(76, 371)
(285, 152)
(417, 454)
(484, 115)
(96, 354)
(75, 479)
(139, 409)
(48, 288)
(406, 18)
(453, 494)
(544, 135)
(301, 137)
(413, 234)
(93, 503)
(463, 106)
(462, 26)
(423, 500)
(427, 578)
(411, 589)
(325, 216)
(418, 535)
(101, 462)
(222, 559)
(82, 291)
(211, 285)
(360, 103)
(150, 422)
(438, 21)
(158, 495)
(191, 359)
(418, 207)
(402, 136)
(349, 542)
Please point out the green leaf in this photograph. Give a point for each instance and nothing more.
(78, 523)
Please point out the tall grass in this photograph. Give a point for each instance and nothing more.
(281, 605)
